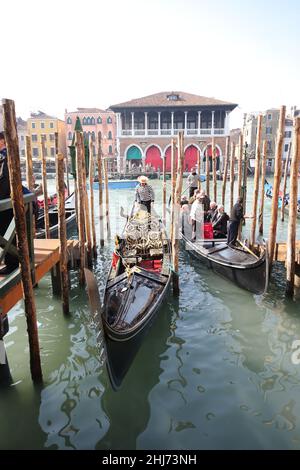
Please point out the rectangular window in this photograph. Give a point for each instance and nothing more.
(35, 152)
(33, 125)
(268, 130)
(269, 117)
(52, 151)
(42, 125)
(44, 137)
(51, 125)
(22, 138)
(23, 153)
(34, 138)
(51, 137)
(286, 147)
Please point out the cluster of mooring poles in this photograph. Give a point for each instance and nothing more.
(85, 215)
(237, 156)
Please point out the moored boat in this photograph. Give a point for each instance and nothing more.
(239, 264)
(70, 215)
(137, 285)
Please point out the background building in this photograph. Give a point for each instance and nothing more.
(269, 132)
(146, 125)
(93, 121)
(1, 118)
(22, 132)
(41, 124)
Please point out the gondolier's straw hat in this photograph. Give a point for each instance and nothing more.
(143, 179)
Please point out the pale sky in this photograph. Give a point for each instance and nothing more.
(68, 53)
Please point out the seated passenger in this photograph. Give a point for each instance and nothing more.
(212, 213)
(220, 223)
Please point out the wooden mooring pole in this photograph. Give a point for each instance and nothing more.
(256, 180)
(45, 190)
(199, 168)
(91, 181)
(232, 157)
(10, 128)
(262, 189)
(87, 223)
(79, 144)
(214, 163)
(277, 176)
(60, 189)
(227, 149)
(286, 166)
(240, 166)
(173, 185)
(164, 192)
(100, 182)
(29, 165)
(207, 167)
(105, 167)
(291, 239)
(178, 191)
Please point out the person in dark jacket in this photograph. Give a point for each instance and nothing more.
(212, 212)
(220, 223)
(236, 216)
(5, 216)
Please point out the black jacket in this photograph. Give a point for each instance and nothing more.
(237, 213)
(4, 175)
(220, 224)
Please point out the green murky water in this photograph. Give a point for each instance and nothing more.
(215, 371)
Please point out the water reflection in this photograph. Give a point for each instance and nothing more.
(128, 410)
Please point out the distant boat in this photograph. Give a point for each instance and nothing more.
(70, 215)
(118, 184)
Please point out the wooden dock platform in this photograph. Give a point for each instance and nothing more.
(46, 256)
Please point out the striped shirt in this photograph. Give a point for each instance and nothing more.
(144, 193)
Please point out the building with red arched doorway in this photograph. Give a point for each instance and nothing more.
(145, 127)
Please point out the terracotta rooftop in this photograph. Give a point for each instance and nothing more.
(89, 110)
(172, 99)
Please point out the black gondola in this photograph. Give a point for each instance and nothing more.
(240, 265)
(136, 286)
(53, 219)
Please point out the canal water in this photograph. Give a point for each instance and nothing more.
(216, 371)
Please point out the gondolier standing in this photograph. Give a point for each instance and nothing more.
(236, 216)
(144, 194)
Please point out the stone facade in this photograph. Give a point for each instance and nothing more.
(93, 121)
(145, 127)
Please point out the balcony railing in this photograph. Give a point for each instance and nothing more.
(164, 132)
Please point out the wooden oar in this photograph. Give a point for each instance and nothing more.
(95, 306)
(247, 249)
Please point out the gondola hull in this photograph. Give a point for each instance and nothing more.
(122, 347)
(137, 284)
(234, 264)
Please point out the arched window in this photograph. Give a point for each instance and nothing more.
(99, 120)
(109, 120)
(110, 149)
(88, 121)
(93, 136)
(70, 136)
(84, 121)
(84, 135)
(69, 120)
(109, 135)
(92, 120)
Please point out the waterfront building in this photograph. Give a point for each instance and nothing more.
(93, 121)
(42, 125)
(145, 127)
